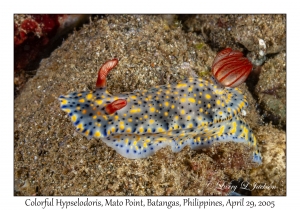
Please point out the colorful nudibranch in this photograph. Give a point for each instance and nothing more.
(194, 112)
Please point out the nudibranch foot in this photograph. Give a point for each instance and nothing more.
(194, 112)
(136, 146)
(141, 146)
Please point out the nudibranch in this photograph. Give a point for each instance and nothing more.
(194, 112)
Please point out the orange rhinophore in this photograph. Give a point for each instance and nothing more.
(115, 106)
(103, 72)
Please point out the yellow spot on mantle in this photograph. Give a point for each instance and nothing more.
(122, 125)
(182, 100)
(221, 131)
(63, 101)
(242, 104)
(192, 100)
(133, 97)
(99, 102)
(233, 130)
(74, 118)
(141, 130)
(160, 129)
(97, 134)
(207, 96)
(132, 111)
(181, 85)
(80, 127)
(89, 96)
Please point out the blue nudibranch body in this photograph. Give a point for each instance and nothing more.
(194, 112)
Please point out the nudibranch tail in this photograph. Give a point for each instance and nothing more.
(103, 72)
(194, 112)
